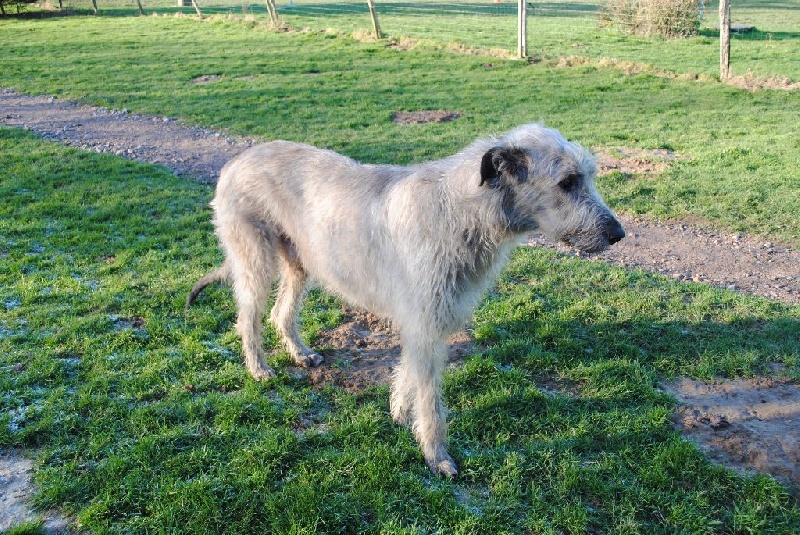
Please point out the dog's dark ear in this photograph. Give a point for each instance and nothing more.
(501, 164)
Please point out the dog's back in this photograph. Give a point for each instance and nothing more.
(333, 210)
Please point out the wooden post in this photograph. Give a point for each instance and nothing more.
(376, 27)
(724, 39)
(273, 12)
(522, 29)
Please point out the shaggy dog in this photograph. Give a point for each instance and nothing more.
(418, 245)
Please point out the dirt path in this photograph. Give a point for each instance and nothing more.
(681, 251)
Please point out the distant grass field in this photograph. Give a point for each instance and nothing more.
(737, 152)
(145, 420)
(556, 29)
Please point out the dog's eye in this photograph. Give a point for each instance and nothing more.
(570, 182)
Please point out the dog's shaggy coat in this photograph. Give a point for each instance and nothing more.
(418, 245)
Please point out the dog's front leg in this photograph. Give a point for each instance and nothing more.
(421, 369)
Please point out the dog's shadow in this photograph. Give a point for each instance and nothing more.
(364, 349)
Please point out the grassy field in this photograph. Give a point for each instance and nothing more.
(143, 417)
(737, 152)
(556, 29)
(146, 420)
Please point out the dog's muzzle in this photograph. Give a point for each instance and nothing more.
(608, 233)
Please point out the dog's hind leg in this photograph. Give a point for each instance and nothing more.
(291, 292)
(250, 254)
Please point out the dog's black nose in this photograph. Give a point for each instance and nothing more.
(615, 232)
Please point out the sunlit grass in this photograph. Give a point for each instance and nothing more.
(736, 152)
(146, 419)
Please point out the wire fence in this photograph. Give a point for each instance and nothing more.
(765, 34)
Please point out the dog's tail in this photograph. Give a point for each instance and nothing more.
(221, 274)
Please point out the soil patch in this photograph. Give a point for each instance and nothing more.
(747, 424)
(364, 350)
(16, 491)
(424, 116)
(634, 161)
(206, 79)
(753, 83)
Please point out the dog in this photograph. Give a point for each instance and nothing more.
(418, 245)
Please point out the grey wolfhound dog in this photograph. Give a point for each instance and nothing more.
(418, 245)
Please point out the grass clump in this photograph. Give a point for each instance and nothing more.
(146, 419)
(653, 18)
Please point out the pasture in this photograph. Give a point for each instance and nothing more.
(557, 30)
(143, 419)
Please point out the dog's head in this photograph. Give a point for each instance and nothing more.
(545, 182)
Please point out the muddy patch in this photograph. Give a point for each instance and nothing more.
(206, 79)
(16, 491)
(363, 351)
(647, 162)
(424, 116)
(745, 424)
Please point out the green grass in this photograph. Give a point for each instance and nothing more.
(737, 151)
(145, 418)
(572, 29)
(556, 29)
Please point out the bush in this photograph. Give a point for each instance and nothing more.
(664, 18)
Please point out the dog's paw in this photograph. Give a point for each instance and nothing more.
(309, 360)
(262, 373)
(444, 465)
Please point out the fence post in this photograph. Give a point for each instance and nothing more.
(376, 27)
(273, 12)
(522, 29)
(724, 39)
